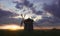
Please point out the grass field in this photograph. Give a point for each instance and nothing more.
(53, 32)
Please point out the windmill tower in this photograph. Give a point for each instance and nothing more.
(28, 23)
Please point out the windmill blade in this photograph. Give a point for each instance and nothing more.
(22, 22)
(23, 15)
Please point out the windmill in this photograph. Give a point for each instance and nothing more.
(28, 23)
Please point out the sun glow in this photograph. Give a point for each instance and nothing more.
(12, 27)
(38, 18)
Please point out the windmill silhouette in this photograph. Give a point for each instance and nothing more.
(28, 23)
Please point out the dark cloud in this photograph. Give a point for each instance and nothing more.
(25, 3)
(4, 13)
(53, 9)
(19, 5)
(29, 5)
(48, 22)
(10, 21)
(39, 12)
(4, 17)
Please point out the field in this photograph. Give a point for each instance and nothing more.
(53, 32)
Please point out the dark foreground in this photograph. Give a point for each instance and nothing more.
(53, 32)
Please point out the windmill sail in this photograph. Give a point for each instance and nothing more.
(22, 22)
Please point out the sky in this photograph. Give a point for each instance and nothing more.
(41, 11)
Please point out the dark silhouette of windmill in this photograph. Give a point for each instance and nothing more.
(28, 23)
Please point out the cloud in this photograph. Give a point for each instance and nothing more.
(53, 9)
(48, 22)
(2, 6)
(4, 17)
(5, 13)
(9, 21)
(28, 5)
(23, 3)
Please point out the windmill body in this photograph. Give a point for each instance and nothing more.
(28, 24)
